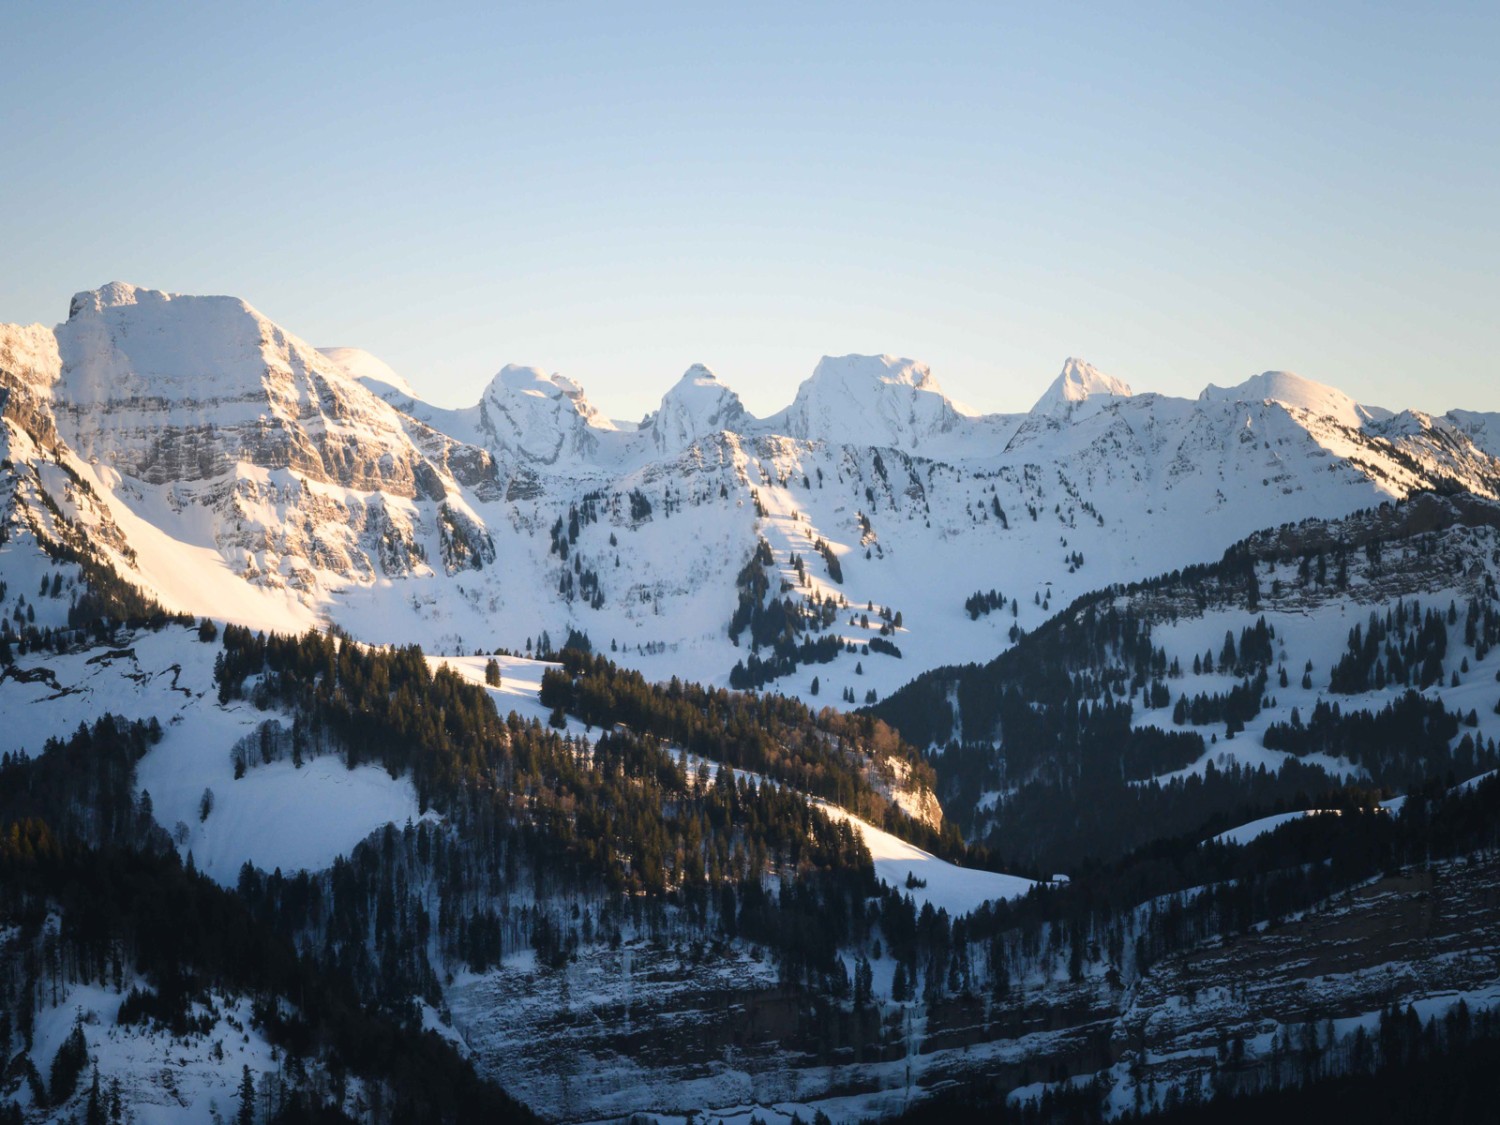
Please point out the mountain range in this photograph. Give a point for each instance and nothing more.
(874, 756)
(268, 482)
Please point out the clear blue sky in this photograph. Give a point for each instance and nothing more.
(1178, 193)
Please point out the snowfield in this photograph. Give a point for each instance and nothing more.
(928, 879)
(276, 816)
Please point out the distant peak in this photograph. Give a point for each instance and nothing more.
(871, 400)
(698, 405)
(1078, 382)
(542, 416)
(875, 369)
(698, 373)
(1293, 390)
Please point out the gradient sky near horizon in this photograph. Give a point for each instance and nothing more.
(1179, 193)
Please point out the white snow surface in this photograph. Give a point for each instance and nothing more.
(958, 890)
(902, 484)
(274, 816)
(541, 416)
(164, 1080)
(1291, 389)
(1244, 833)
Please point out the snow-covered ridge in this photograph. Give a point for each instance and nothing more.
(375, 374)
(1293, 390)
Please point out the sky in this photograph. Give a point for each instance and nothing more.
(1179, 193)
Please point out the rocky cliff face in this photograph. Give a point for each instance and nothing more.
(232, 430)
(170, 388)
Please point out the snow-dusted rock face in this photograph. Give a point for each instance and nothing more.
(540, 417)
(1078, 388)
(29, 366)
(1483, 429)
(1294, 391)
(697, 406)
(175, 388)
(871, 400)
(28, 354)
(211, 423)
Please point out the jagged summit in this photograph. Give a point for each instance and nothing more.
(1079, 382)
(1293, 390)
(541, 416)
(119, 293)
(698, 405)
(871, 400)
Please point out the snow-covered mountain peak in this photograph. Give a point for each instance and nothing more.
(239, 434)
(1079, 382)
(858, 371)
(124, 343)
(696, 406)
(519, 380)
(1293, 390)
(871, 400)
(541, 416)
(113, 295)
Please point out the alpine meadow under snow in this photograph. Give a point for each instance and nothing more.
(875, 757)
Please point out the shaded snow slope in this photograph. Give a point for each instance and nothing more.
(275, 816)
(1244, 833)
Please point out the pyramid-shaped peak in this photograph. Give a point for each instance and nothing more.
(1079, 382)
(699, 373)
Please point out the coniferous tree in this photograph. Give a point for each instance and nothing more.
(72, 1056)
(246, 1113)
